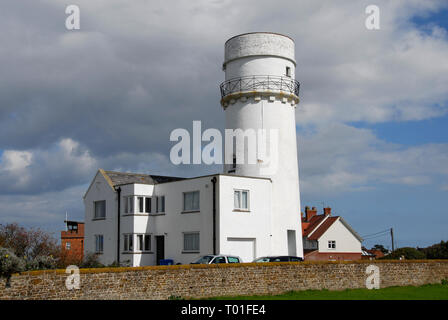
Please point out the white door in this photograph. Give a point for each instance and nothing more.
(242, 247)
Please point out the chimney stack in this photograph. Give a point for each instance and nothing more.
(327, 211)
(309, 213)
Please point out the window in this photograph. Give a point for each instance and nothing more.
(143, 242)
(219, 260)
(160, 204)
(140, 242)
(233, 260)
(148, 205)
(99, 241)
(147, 242)
(241, 199)
(332, 244)
(191, 241)
(129, 204)
(128, 242)
(288, 71)
(140, 204)
(68, 246)
(191, 201)
(100, 209)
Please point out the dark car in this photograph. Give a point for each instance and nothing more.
(279, 259)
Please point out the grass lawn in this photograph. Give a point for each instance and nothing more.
(425, 292)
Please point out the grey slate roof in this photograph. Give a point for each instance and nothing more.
(120, 178)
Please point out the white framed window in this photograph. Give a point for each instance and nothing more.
(140, 201)
(191, 241)
(139, 242)
(128, 243)
(148, 205)
(147, 242)
(288, 71)
(129, 204)
(99, 209)
(160, 205)
(241, 199)
(143, 242)
(331, 244)
(68, 246)
(191, 201)
(99, 243)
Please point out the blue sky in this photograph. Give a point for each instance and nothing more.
(372, 121)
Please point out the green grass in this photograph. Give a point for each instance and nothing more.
(425, 292)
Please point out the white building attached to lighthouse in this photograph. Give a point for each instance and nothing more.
(250, 210)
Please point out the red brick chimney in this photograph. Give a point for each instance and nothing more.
(327, 211)
(309, 213)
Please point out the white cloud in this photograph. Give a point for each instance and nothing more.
(338, 158)
(62, 165)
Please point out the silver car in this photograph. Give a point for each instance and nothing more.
(211, 258)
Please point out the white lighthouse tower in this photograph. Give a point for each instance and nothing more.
(259, 95)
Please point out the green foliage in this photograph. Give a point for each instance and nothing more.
(407, 253)
(42, 263)
(445, 282)
(10, 263)
(381, 248)
(91, 261)
(437, 251)
(30, 243)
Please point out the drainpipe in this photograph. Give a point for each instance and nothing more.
(118, 222)
(214, 214)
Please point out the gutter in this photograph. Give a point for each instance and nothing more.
(118, 222)
(214, 214)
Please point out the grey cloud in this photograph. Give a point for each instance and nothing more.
(134, 72)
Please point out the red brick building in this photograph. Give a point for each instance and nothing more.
(72, 241)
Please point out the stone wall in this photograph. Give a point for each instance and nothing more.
(197, 281)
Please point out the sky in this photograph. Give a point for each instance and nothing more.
(371, 125)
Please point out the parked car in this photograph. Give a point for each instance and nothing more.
(279, 259)
(210, 258)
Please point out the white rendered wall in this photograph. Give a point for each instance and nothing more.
(174, 223)
(101, 190)
(269, 54)
(231, 225)
(254, 224)
(345, 240)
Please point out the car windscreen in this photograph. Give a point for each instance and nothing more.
(279, 259)
(204, 260)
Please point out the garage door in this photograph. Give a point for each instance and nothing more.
(242, 247)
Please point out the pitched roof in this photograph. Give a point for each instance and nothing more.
(322, 228)
(320, 223)
(312, 224)
(120, 178)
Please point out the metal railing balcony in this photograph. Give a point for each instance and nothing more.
(260, 83)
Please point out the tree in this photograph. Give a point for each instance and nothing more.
(381, 248)
(9, 264)
(407, 253)
(39, 249)
(437, 251)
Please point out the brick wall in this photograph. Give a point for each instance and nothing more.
(161, 282)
